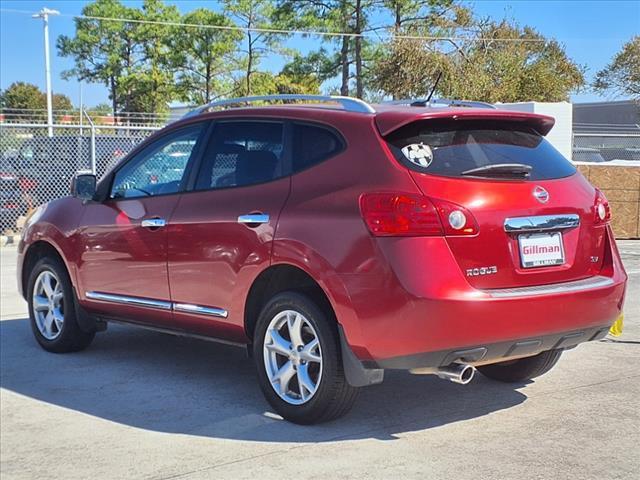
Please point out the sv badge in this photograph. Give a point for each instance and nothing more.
(475, 272)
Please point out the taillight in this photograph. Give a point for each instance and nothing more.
(456, 219)
(410, 215)
(602, 211)
(399, 214)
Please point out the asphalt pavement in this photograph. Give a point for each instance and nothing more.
(144, 405)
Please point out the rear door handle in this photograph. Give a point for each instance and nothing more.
(254, 218)
(153, 223)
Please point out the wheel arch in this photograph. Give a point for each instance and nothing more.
(287, 277)
(41, 249)
(34, 252)
(279, 278)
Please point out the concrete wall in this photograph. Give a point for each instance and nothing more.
(621, 185)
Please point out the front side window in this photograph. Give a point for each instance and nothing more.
(242, 153)
(159, 168)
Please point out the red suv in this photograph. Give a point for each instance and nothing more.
(335, 240)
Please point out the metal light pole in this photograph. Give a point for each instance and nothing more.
(81, 107)
(44, 15)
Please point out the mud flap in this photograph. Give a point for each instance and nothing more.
(87, 322)
(354, 371)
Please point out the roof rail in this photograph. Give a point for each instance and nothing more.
(419, 102)
(348, 103)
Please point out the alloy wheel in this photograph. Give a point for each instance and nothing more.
(48, 305)
(292, 357)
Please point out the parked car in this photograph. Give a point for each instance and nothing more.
(12, 200)
(632, 154)
(53, 161)
(584, 154)
(335, 241)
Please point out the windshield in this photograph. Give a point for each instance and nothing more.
(452, 148)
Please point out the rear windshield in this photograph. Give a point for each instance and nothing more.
(456, 148)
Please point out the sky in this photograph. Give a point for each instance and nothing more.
(591, 31)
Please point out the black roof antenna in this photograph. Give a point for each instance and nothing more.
(424, 103)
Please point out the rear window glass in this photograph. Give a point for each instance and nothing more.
(312, 145)
(455, 148)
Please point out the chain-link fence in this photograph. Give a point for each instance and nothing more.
(36, 168)
(597, 147)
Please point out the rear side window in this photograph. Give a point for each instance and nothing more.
(313, 144)
(456, 148)
(242, 153)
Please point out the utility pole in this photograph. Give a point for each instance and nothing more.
(44, 15)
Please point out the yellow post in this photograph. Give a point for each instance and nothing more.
(616, 328)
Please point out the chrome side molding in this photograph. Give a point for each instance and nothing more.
(541, 223)
(566, 287)
(126, 300)
(200, 310)
(158, 304)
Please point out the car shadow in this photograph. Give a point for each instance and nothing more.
(170, 384)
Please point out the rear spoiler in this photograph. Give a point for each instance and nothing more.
(391, 120)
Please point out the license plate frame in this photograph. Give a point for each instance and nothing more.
(541, 249)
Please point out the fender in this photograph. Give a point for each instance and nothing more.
(291, 252)
(65, 212)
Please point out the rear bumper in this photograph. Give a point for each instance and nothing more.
(425, 318)
(494, 352)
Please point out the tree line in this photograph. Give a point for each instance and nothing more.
(393, 48)
(162, 55)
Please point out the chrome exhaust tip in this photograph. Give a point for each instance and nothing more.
(461, 373)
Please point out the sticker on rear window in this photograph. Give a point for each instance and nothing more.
(418, 153)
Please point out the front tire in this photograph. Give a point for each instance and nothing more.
(52, 308)
(522, 369)
(297, 353)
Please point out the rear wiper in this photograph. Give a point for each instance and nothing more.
(500, 170)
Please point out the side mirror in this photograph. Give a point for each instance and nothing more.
(83, 186)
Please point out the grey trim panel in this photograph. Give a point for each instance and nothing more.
(541, 223)
(125, 300)
(576, 286)
(199, 310)
(171, 331)
(493, 352)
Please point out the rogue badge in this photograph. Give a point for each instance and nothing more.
(476, 272)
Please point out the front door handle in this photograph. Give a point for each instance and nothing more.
(153, 223)
(254, 218)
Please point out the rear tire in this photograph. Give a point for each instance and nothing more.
(523, 368)
(297, 353)
(52, 308)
